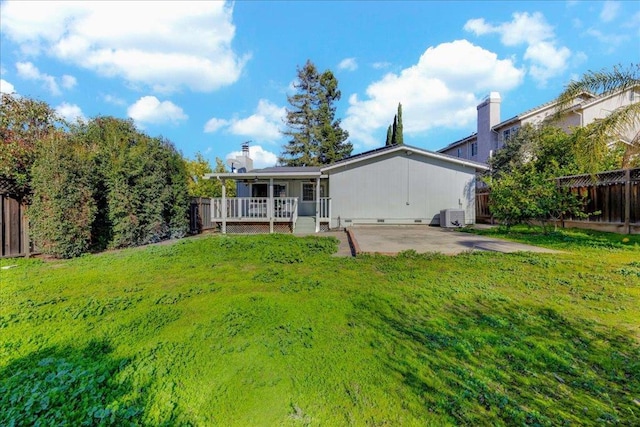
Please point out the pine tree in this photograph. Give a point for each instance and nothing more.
(315, 135)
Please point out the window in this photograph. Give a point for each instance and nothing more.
(459, 152)
(279, 190)
(262, 190)
(509, 133)
(474, 148)
(309, 191)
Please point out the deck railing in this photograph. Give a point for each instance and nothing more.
(255, 208)
(325, 208)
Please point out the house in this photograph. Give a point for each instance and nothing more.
(398, 184)
(492, 132)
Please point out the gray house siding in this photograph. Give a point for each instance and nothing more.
(400, 188)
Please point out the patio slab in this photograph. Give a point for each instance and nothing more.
(392, 239)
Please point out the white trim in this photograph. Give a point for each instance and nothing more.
(408, 148)
(252, 175)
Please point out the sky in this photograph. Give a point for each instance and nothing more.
(211, 75)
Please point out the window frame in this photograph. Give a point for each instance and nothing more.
(323, 191)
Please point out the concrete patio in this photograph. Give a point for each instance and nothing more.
(397, 238)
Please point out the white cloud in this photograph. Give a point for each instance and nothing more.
(531, 30)
(6, 87)
(214, 124)
(441, 90)
(348, 64)
(263, 125)
(609, 11)
(149, 109)
(524, 28)
(70, 112)
(611, 41)
(261, 157)
(163, 45)
(546, 60)
(69, 82)
(381, 65)
(28, 71)
(113, 100)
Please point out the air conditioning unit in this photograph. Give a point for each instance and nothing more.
(451, 218)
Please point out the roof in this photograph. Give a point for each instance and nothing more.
(298, 172)
(464, 140)
(307, 172)
(409, 150)
(591, 98)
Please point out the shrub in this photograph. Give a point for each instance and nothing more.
(63, 207)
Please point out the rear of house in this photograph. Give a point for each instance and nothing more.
(390, 185)
(401, 185)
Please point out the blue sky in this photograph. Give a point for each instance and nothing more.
(209, 75)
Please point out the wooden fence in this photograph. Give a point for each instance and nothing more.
(200, 215)
(611, 198)
(14, 228)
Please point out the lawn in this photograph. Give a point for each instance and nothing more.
(272, 330)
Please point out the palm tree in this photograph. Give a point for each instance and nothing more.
(594, 142)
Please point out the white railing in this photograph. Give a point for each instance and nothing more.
(255, 208)
(325, 208)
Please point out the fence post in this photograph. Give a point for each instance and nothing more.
(627, 201)
(26, 238)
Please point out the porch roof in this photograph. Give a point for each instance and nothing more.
(278, 172)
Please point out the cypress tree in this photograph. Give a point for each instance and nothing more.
(389, 136)
(399, 136)
(394, 133)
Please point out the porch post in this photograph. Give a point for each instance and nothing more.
(224, 206)
(270, 205)
(317, 204)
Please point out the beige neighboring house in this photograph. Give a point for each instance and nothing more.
(492, 132)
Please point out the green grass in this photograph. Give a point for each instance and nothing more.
(272, 330)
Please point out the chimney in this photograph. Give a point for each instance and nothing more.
(245, 161)
(488, 117)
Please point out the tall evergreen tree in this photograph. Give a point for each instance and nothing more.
(315, 134)
(389, 136)
(394, 131)
(399, 136)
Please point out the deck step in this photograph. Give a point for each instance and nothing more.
(305, 225)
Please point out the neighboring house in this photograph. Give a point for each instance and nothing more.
(391, 185)
(492, 133)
